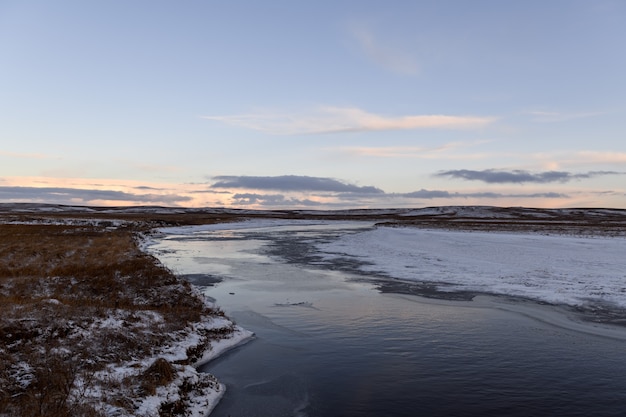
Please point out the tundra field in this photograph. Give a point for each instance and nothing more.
(90, 325)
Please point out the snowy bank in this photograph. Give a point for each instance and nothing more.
(207, 390)
(187, 389)
(93, 326)
(575, 271)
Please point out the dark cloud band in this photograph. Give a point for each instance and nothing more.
(493, 176)
(272, 200)
(292, 183)
(66, 195)
(432, 194)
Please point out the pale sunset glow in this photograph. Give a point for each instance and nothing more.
(320, 105)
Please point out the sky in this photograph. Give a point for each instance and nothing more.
(313, 105)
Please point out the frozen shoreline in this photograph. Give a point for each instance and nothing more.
(584, 272)
(206, 390)
(218, 348)
(204, 400)
(577, 271)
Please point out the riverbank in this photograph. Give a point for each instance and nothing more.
(92, 326)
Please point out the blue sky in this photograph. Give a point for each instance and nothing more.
(318, 105)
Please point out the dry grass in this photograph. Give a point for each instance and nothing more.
(60, 287)
(160, 373)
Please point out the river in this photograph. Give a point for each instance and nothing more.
(330, 343)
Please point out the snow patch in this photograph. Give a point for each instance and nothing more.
(576, 271)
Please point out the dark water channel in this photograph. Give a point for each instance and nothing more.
(329, 344)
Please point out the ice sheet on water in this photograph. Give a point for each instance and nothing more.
(557, 269)
(241, 225)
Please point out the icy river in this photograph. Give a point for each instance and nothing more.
(337, 335)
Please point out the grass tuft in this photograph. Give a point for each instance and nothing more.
(76, 302)
(160, 373)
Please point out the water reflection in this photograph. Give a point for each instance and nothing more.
(329, 344)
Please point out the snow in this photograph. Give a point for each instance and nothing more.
(576, 271)
(239, 337)
(22, 374)
(458, 211)
(99, 388)
(204, 401)
(67, 221)
(240, 225)
(198, 403)
(560, 269)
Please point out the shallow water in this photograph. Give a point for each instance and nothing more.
(330, 344)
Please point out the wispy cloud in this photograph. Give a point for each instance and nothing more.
(493, 176)
(346, 119)
(386, 54)
(558, 160)
(292, 183)
(437, 152)
(603, 157)
(556, 116)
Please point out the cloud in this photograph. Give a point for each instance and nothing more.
(553, 116)
(428, 194)
(492, 176)
(602, 157)
(348, 200)
(390, 57)
(292, 183)
(504, 195)
(84, 196)
(346, 119)
(557, 160)
(332, 193)
(282, 192)
(209, 192)
(438, 152)
(431, 194)
(145, 187)
(272, 200)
